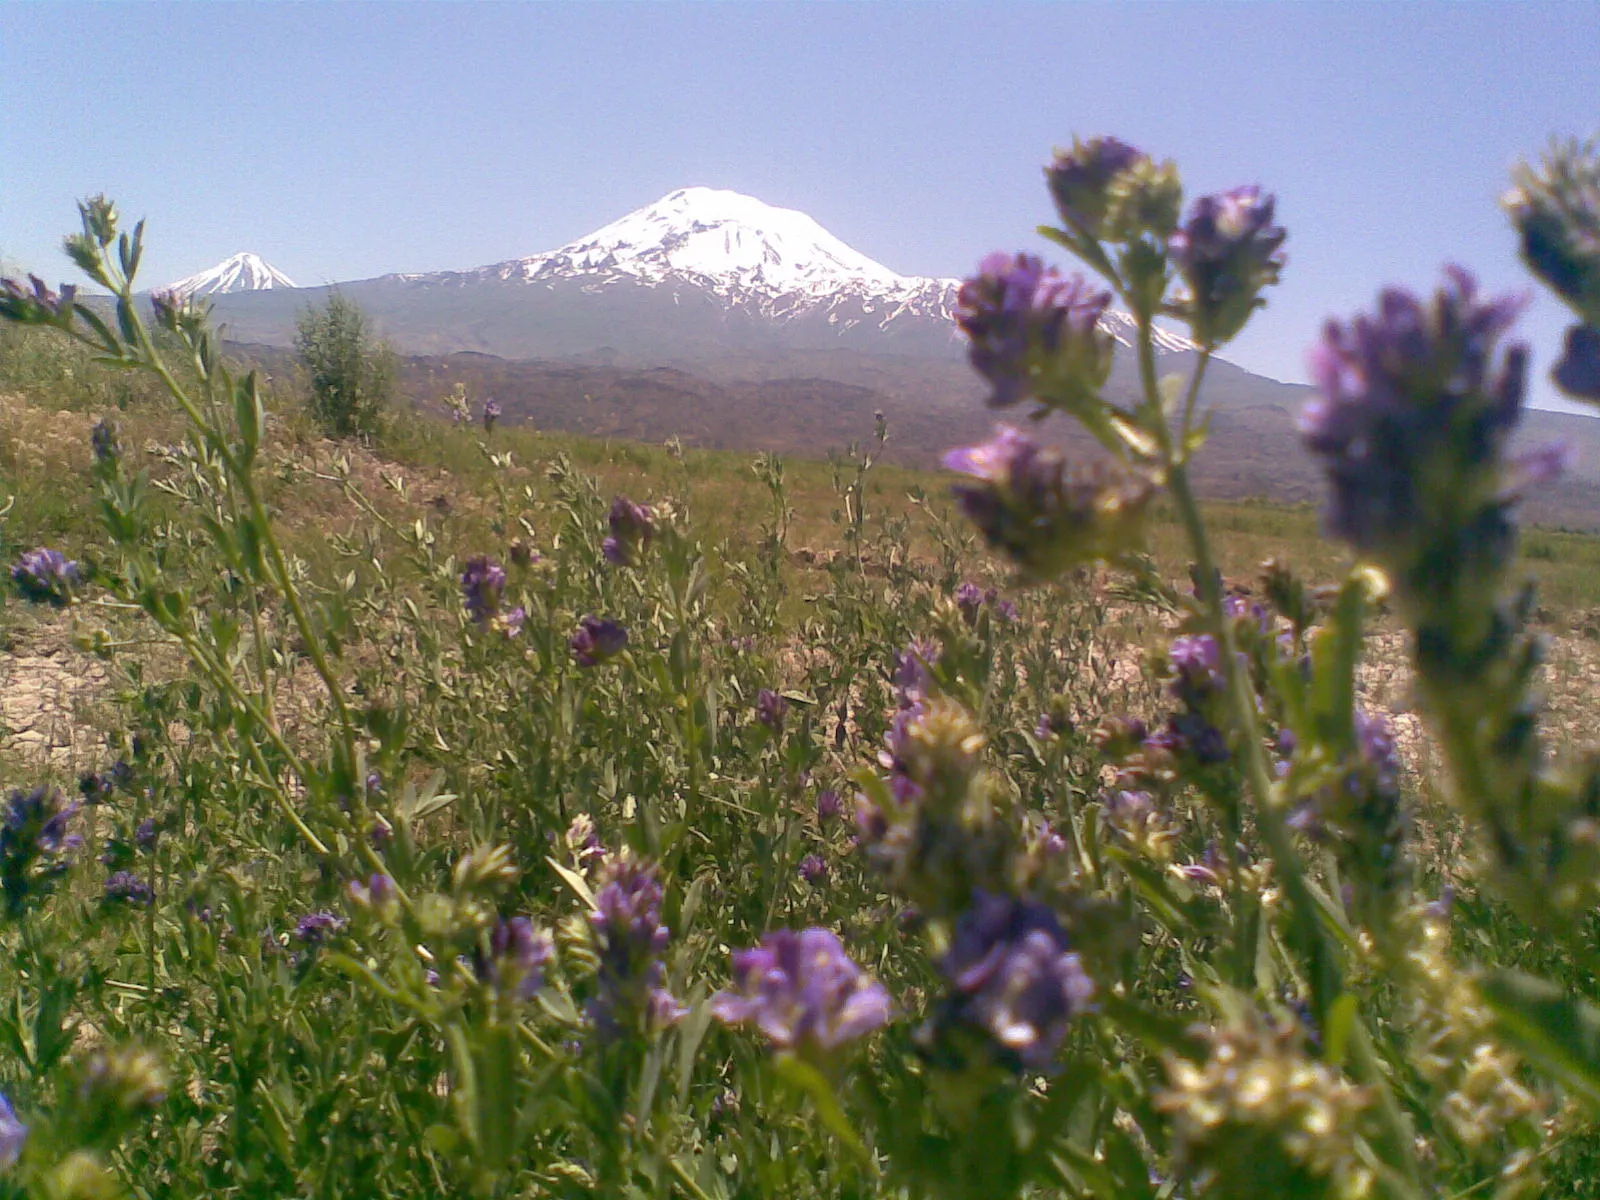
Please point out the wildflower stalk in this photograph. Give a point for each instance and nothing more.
(1316, 943)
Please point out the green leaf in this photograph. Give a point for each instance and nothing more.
(578, 884)
(806, 1078)
(1558, 1032)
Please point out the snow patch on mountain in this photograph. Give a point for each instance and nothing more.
(241, 273)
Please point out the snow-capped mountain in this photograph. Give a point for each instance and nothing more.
(244, 272)
(750, 256)
(702, 274)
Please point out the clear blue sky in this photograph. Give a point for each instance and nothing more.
(343, 141)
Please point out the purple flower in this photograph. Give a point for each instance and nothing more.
(632, 526)
(630, 938)
(378, 893)
(1081, 180)
(1196, 669)
(829, 805)
(513, 962)
(1227, 252)
(771, 709)
(482, 583)
(13, 1134)
(35, 305)
(913, 674)
(1031, 330)
(316, 928)
(969, 599)
(511, 622)
(597, 641)
(1015, 978)
(36, 842)
(814, 869)
(124, 887)
(1415, 413)
(1027, 505)
(146, 834)
(491, 414)
(46, 577)
(103, 439)
(1578, 372)
(803, 993)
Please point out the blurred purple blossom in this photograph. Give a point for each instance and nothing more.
(1415, 411)
(483, 582)
(315, 928)
(515, 958)
(124, 887)
(772, 709)
(46, 576)
(630, 938)
(1031, 330)
(1227, 252)
(1014, 976)
(1080, 180)
(597, 640)
(803, 993)
(814, 869)
(1027, 505)
(632, 527)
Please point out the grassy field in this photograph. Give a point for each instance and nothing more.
(797, 584)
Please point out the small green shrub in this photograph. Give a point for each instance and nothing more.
(352, 375)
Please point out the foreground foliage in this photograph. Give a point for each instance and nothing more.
(590, 870)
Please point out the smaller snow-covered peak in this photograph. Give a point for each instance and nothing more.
(241, 273)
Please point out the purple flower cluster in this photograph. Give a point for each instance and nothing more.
(803, 993)
(1081, 181)
(597, 641)
(1227, 252)
(46, 576)
(1027, 505)
(631, 938)
(36, 842)
(1417, 407)
(103, 440)
(315, 928)
(972, 600)
(632, 527)
(378, 894)
(483, 583)
(36, 304)
(1033, 332)
(514, 958)
(124, 887)
(814, 869)
(772, 709)
(491, 415)
(1015, 978)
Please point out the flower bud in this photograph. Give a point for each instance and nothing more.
(1080, 180)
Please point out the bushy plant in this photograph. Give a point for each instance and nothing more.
(586, 870)
(350, 374)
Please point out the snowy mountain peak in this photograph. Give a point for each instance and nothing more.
(711, 234)
(751, 258)
(242, 273)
